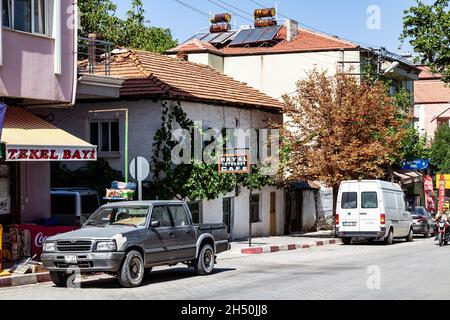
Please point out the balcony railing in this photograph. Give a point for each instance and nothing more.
(94, 56)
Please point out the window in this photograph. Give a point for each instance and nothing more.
(161, 214)
(254, 209)
(179, 216)
(39, 16)
(349, 200)
(105, 135)
(6, 13)
(25, 15)
(369, 200)
(195, 208)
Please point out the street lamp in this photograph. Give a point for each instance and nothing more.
(126, 134)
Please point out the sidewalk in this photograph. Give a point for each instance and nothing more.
(241, 249)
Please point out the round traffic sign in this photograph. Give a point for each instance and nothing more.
(139, 168)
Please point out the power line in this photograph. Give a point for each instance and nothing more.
(193, 8)
(236, 8)
(239, 15)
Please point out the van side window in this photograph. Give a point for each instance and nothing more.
(349, 200)
(369, 200)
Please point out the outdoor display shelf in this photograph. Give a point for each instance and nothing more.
(121, 191)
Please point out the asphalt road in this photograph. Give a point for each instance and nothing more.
(416, 270)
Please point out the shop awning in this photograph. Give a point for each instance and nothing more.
(29, 138)
(408, 177)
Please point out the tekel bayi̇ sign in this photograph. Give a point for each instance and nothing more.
(417, 164)
(14, 153)
(232, 163)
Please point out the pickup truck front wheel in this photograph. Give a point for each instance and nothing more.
(204, 264)
(59, 278)
(131, 273)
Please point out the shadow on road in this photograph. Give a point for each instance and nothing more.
(154, 277)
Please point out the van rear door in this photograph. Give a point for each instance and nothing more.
(369, 207)
(348, 208)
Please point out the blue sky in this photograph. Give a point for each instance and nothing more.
(344, 18)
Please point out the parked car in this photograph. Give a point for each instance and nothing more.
(372, 209)
(128, 238)
(423, 222)
(73, 206)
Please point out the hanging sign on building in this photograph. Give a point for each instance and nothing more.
(234, 163)
(417, 164)
(14, 153)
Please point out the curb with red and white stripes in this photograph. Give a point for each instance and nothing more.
(21, 280)
(289, 247)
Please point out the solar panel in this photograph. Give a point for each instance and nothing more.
(241, 37)
(269, 34)
(222, 38)
(210, 37)
(254, 36)
(197, 36)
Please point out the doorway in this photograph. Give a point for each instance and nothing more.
(228, 213)
(273, 214)
(294, 212)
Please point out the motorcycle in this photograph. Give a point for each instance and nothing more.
(443, 232)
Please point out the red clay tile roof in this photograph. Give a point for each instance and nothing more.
(427, 74)
(430, 89)
(154, 74)
(305, 41)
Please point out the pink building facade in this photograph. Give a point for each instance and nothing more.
(38, 56)
(432, 103)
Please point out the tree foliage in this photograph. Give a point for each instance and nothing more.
(428, 29)
(440, 150)
(340, 129)
(99, 16)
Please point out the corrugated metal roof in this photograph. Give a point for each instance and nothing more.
(22, 128)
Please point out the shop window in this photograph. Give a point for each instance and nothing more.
(25, 15)
(255, 209)
(6, 13)
(105, 135)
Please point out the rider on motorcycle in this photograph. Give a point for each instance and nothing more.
(444, 215)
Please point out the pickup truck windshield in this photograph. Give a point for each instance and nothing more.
(132, 216)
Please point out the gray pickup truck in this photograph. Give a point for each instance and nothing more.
(127, 239)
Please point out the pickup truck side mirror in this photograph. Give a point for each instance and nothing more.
(155, 224)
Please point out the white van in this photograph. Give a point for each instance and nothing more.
(372, 209)
(73, 206)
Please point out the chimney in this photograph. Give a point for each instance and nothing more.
(291, 29)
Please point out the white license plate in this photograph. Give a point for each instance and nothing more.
(70, 258)
(349, 224)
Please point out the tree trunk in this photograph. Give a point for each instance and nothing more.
(335, 198)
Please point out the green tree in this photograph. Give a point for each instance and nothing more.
(440, 149)
(427, 27)
(99, 16)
